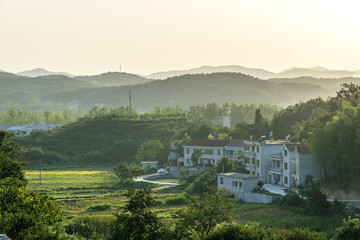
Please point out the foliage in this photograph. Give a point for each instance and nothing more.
(237, 232)
(137, 221)
(291, 199)
(202, 214)
(316, 202)
(99, 207)
(127, 173)
(349, 230)
(196, 154)
(152, 150)
(225, 165)
(201, 182)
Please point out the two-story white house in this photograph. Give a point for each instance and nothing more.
(212, 150)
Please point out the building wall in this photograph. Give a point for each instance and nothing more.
(215, 156)
(247, 184)
(307, 165)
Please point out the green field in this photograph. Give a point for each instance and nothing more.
(97, 195)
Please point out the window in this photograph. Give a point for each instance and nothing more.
(187, 151)
(285, 152)
(285, 165)
(257, 149)
(286, 180)
(240, 184)
(253, 161)
(257, 174)
(219, 152)
(187, 161)
(253, 173)
(253, 148)
(278, 164)
(236, 183)
(258, 163)
(233, 183)
(221, 180)
(208, 152)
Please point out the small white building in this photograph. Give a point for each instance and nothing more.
(237, 183)
(223, 121)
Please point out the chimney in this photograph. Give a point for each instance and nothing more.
(288, 138)
(271, 137)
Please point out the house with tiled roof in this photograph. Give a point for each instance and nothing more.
(212, 150)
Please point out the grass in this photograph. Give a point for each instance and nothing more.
(98, 194)
(168, 180)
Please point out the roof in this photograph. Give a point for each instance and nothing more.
(207, 143)
(149, 162)
(238, 175)
(303, 148)
(266, 142)
(236, 143)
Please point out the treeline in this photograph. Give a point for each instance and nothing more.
(199, 114)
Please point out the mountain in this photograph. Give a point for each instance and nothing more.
(316, 72)
(25, 92)
(113, 79)
(41, 72)
(256, 72)
(187, 90)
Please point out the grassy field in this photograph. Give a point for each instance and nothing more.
(98, 195)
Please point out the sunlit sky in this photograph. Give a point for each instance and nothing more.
(145, 36)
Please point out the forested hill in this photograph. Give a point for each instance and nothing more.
(100, 141)
(113, 79)
(195, 89)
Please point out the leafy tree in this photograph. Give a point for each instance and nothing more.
(137, 221)
(196, 154)
(225, 165)
(200, 183)
(123, 172)
(315, 202)
(237, 232)
(202, 214)
(152, 150)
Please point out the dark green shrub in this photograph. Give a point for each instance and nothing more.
(291, 199)
(178, 200)
(99, 207)
(237, 232)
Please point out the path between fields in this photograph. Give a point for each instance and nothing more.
(164, 184)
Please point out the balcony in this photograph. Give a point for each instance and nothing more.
(250, 167)
(275, 170)
(276, 156)
(250, 154)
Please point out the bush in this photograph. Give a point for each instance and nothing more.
(178, 200)
(236, 232)
(291, 199)
(99, 207)
(349, 230)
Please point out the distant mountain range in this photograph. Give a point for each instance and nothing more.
(41, 72)
(316, 72)
(113, 79)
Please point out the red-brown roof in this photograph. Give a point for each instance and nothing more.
(236, 143)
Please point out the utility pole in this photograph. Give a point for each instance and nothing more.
(130, 100)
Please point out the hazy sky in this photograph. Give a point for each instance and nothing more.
(145, 36)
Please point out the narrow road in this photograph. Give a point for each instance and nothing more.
(142, 179)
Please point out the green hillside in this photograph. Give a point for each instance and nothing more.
(113, 79)
(102, 141)
(189, 90)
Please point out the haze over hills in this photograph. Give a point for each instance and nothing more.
(113, 79)
(316, 72)
(41, 72)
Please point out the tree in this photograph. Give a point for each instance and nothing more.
(196, 154)
(202, 214)
(122, 171)
(225, 165)
(23, 214)
(137, 221)
(315, 202)
(152, 150)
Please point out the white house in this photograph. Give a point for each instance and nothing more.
(212, 151)
(258, 154)
(223, 121)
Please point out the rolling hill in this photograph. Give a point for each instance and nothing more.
(41, 72)
(113, 79)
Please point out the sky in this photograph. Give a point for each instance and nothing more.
(85, 37)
